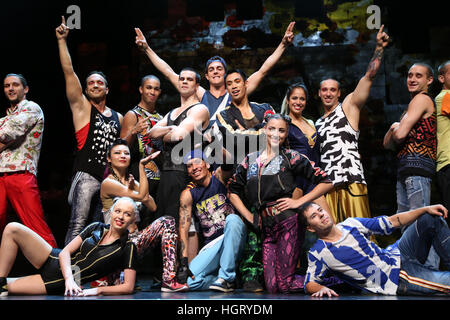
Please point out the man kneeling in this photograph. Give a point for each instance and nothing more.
(223, 231)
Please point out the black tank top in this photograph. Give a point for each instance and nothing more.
(103, 131)
(175, 161)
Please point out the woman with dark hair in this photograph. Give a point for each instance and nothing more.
(302, 134)
(267, 179)
(119, 183)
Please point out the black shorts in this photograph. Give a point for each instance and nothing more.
(51, 274)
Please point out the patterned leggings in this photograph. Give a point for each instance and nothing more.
(281, 248)
(163, 229)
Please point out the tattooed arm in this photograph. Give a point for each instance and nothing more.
(357, 99)
(185, 221)
(406, 218)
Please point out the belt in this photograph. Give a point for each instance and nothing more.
(270, 210)
(2, 174)
(271, 215)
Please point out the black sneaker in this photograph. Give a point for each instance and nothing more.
(252, 286)
(3, 287)
(222, 285)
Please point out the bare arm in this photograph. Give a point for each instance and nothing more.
(290, 203)
(198, 117)
(417, 108)
(185, 221)
(357, 99)
(405, 218)
(255, 78)
(131, 126)
(74, 91)
(388, 141)
(112, 188)
(160, 129)
(318, 290)
(72, 288)
(240, 207)
(127, 287)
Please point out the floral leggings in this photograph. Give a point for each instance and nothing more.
(163, 229)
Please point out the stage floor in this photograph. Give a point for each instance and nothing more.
(150, 301)
(237, 295)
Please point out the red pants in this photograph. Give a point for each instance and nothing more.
(22, 191)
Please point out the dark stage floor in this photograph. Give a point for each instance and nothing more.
(153, 303)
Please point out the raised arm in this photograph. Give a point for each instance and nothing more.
(357, 99)
(74, 90)
(255, 78)
(139, 192)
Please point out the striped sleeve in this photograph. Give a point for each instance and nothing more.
(368, 226)
(317, 269)
(130, 256)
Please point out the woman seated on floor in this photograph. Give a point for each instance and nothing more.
(63, 271)
(162, 231)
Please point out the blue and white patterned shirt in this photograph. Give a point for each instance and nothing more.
(357, 260)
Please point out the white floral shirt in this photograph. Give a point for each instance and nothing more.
(21, 129)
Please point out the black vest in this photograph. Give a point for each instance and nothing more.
(103, 131)
(175, 161)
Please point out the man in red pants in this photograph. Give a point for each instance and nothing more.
(20, 145)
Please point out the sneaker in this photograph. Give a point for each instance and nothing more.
(222, 285)
(102, 282)
(173, 286)
(252, 286)
(3, 287)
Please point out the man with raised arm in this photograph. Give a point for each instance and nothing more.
(96, 127)
(338, 133)
(216, 97)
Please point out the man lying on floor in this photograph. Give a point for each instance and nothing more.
(346, 251)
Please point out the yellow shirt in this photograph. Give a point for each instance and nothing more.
(443, 129)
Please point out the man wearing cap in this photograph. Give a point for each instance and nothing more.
(216, 97)
(223, 231)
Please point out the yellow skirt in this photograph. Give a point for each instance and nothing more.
(349, 201)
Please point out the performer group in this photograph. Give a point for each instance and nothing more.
(233, 194)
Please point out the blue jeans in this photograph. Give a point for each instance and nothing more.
(84, 190)
(414, 246)
(414, 192)
(221, 259)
